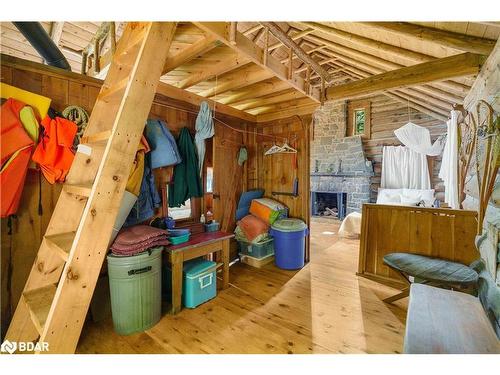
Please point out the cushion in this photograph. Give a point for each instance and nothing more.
(252, 226)
(389, 196)
(245, 200)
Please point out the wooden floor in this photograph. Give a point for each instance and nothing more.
(323, 308)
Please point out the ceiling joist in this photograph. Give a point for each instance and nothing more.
(301, 54)
(198, 48)
(245, 46)
(460, 42)
(439, 69)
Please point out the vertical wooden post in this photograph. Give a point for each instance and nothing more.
(322, 94)
(308, 79)
(112, 36)
(96, 56)
(233, 28)
(290, 63)
(266, 46)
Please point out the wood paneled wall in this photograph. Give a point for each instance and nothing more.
(386, 116)
(435, 232)
(20, 247)
(277, 172)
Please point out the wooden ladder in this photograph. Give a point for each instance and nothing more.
(57, 294)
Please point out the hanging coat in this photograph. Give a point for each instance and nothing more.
(148, 200)
(164, 150)
(16, 147)
(204, 130)
(186, 179)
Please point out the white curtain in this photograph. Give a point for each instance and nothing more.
(418, 139)
(404, 168)
(449, 165)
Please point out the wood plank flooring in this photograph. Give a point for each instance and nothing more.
(323, 308)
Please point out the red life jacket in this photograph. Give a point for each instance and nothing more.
(16, 146)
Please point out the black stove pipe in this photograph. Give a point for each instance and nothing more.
(44, 45)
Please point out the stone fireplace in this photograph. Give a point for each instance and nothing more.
(338, 163)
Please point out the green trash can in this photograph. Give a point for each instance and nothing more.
(135, 288)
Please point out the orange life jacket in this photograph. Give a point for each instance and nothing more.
(16, 146)
(54, 153)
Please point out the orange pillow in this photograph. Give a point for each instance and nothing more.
(252, 226)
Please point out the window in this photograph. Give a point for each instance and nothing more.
(210, 180)
(182, 212)
(358, 119)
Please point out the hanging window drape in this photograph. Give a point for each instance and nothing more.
(449, 165)
(403, 168)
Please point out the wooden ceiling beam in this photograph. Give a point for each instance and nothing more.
(252, 29)
(254, 91)
(424, 100)
(245, 46)
(440, 69)
(280, 97)
(367, 58)
(431, 89)
(417, 105)
(298, 35)
(362, 42)
(287, 105)
(56, 30)
(223, 66)
(189, 53)
(460, 42)
(285, 113)
(236, 79)
(301, 54)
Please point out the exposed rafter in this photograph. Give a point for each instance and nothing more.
(198, 48)
(223, 66)
(363, 57)
(301, 54)
(255, 53)
(448, 39)
(237, 78)
(56, 30)
(280, 97)
(266, 87)
(448, 67)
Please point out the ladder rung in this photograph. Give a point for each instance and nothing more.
(96, 138)
(61, 243)
(117, 88)
(77, 189)
(39, 302)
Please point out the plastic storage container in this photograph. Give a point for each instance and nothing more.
(177, 240)
(199, 282)
(135, 288)
(256, 262)
(259, 250)
(289, 243)
(212, 227)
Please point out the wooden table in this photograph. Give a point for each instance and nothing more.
(199, 245)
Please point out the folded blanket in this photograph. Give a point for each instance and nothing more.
(252, 227)
(137, 234)
(140, 245)
(130, 252)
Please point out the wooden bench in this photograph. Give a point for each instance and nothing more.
(448, 322)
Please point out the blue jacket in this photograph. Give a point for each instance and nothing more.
(148, 199)
(164, 150)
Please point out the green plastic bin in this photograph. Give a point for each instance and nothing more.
(135, 288)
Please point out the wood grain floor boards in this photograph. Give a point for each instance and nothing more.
(323, 308)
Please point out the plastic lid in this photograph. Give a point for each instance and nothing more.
(289, 225)
(197, 266)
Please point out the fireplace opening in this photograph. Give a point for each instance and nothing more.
(328, 204)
